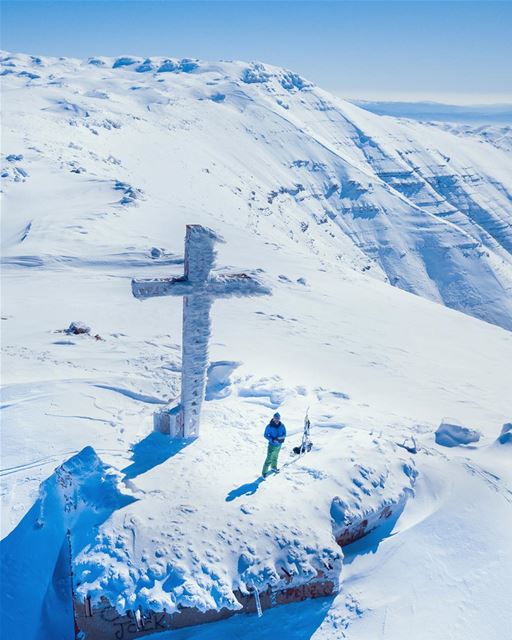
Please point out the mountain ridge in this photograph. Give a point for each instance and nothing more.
(422, 208)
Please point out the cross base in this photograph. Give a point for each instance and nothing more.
(169, 421)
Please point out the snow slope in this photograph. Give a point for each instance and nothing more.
(375, 364)
(498, 136)
(263, 148)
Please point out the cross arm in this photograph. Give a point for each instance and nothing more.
(236, 285)
(152, 287)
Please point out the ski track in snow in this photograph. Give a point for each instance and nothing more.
(58, 457)
(140, 397)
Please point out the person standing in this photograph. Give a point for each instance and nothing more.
(275, 433)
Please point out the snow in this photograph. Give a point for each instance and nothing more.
(80, 495)
(240, 546)
(498, 136)
(219, 379)
(325, 203)
(423, 208)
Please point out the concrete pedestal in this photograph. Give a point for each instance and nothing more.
(169, 421)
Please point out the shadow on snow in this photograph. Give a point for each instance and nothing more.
(36, 599)
(155, 449)
(247, 489)
(297, 621)
(370, 543)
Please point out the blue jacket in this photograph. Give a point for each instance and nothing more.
(275, 433)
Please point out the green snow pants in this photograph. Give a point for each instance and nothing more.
(271, 459)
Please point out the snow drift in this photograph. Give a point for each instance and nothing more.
(37, 557)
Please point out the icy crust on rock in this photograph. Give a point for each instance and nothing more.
(165, 553)
(451, 434)
(505, 436)
(425, 209)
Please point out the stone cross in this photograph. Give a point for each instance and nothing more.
(199, 288)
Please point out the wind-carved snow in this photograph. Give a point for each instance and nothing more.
(425, 209)
(80, 495)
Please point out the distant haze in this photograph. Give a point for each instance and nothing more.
(429, 111)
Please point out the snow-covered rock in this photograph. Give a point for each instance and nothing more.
(505, 436)
(78, 328)
(451, 434)
(165, 553)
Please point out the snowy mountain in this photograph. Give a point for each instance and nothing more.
(267, 151)
(106, 161)
(487, 123)
(498, 136)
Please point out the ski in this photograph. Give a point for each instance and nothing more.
(306, 443)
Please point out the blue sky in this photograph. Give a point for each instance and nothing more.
(449, 51)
